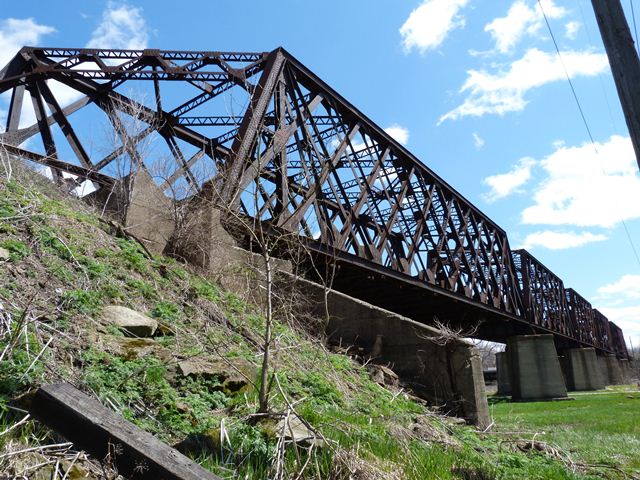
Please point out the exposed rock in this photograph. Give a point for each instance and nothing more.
(4, 254)
(132, 348)
(383, 375)
(292, 428)
(234, 374)
(424, 429)
(129, 321)
(201, 444)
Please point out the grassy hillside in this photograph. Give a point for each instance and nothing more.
(65, 264)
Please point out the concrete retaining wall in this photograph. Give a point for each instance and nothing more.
(446, 373)
(614, 371)
(140, 206)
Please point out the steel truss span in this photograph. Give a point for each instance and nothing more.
(283, 147)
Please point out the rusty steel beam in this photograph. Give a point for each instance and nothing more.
(299, 157)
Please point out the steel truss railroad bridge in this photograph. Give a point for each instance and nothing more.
(304, 160)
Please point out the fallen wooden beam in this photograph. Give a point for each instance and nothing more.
(91, 427)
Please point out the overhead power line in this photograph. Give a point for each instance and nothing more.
(584, 118)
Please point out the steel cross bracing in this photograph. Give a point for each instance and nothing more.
(291, 152)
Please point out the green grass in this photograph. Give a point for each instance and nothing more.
(594, 428)
(66, 267)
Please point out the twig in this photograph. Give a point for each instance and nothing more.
(80, 266)
(16, 425)
(36, 359)
(55, 446)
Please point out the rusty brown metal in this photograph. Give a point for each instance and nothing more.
(287, 149)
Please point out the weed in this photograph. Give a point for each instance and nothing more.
(132, 255)
(166, 311)
(17, 249)
(142, 288)
(205, 289)
(94, 268)
(14, 376)
(49, 241)
(82, 301)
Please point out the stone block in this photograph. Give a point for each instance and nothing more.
(581, 370)
(129, 321)
(535, 368)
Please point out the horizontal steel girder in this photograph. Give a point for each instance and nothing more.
(297, 156)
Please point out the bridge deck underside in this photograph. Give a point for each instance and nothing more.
(431, 305)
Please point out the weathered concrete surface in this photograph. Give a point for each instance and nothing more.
(150, 215)
(535, 368)
(203, 240)
(504, 373)
(604, 371)
(140, 206)
(614, 371)
(129, 321)
(580, 368)
(625, 370)
(445, 373)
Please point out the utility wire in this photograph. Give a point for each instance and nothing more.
(584, 118)
(635, 29)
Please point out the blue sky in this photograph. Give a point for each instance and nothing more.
(475, 89)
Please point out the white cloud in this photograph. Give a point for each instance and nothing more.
(521, 20)
(478, 141)
(576, 190)
(122, 26)
(560, 240)
(571, 30)
(504, 184)
(504, 91)
(16, 33)
(627, 318)
(429, 24)
(399, 133)
(627, 286)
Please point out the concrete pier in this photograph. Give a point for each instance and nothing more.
(613, 370)
(504, 373)
(535, 368)
(581, 370)
(602, 368)
(625, 368)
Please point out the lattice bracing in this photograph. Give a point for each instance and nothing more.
(281, 146)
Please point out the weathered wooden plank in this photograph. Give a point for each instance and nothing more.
(101, 432)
